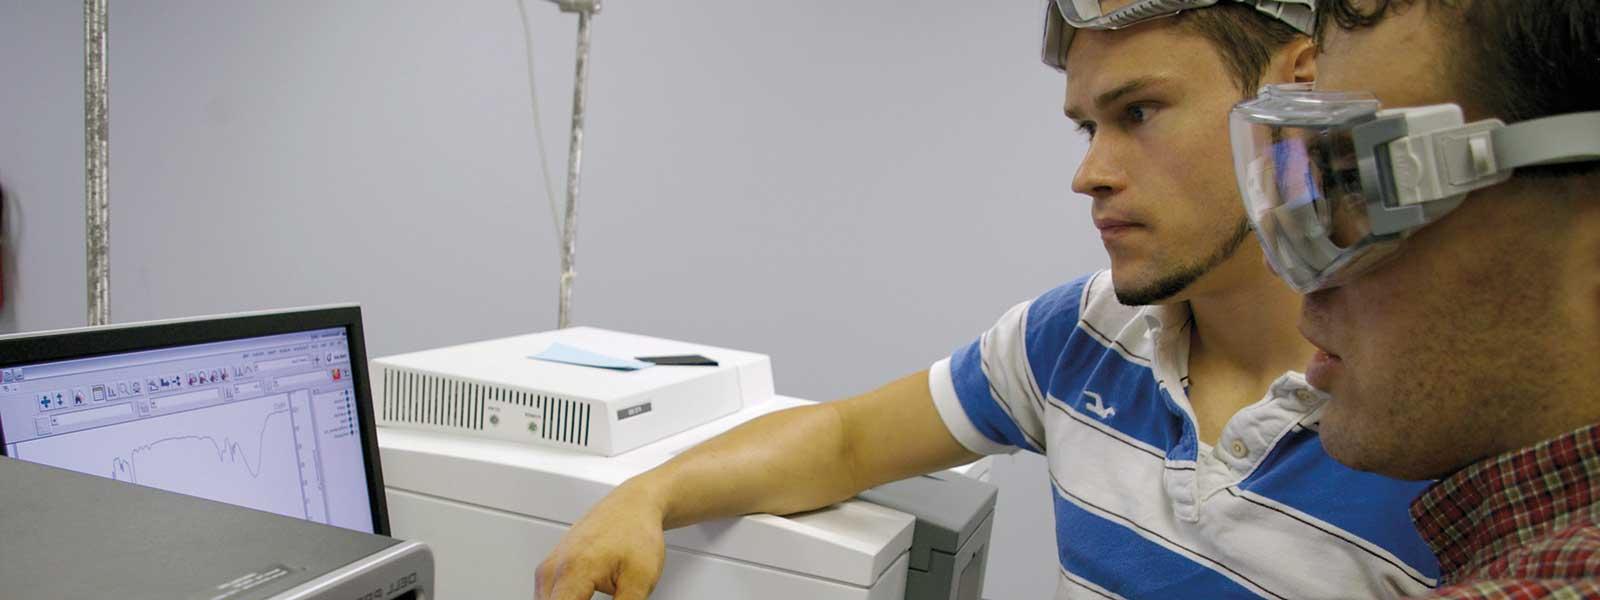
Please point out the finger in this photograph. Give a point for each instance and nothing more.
(572, 586)
(635, 584)
(543, 579)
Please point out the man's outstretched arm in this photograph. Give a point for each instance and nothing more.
(789, 461)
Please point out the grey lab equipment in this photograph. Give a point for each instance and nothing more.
(950, 542)
(70, 535)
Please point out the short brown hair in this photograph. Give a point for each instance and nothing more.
(1245, 37)
(1515, 59)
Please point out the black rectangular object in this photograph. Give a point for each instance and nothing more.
(679, 360)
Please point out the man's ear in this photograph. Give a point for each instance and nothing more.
(1295, 62)
(1302, 57)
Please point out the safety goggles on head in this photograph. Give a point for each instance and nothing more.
(1064, 17)
(1332, 183)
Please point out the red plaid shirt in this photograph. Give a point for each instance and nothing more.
(1523, 525)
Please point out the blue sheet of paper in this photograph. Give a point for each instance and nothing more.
(562, 353)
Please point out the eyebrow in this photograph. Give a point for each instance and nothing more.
(1116, 93)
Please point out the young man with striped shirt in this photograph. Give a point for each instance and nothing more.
(1184, 462)
(1453, 270)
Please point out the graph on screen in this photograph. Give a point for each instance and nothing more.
(257, 453)
(176, 453)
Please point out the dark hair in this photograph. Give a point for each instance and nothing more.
(1514, 59)
(1245, 37)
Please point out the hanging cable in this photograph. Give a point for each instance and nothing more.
(538, 127)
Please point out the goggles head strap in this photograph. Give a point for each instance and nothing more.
(1562, 139)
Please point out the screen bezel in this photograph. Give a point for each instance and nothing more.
(52, 346)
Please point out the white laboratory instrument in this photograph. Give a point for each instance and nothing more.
(492, 505)
(491, 511)
(495, 389)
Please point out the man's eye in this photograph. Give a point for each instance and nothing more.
(1139, 113)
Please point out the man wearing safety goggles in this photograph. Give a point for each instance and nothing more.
(1184, 462)
(1438, 197)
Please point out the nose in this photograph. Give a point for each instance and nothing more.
(1100, 174)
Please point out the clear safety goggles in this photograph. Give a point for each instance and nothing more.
(1332, 182)
(1064, 17)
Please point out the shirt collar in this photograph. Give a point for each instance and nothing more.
(1484, 510)
(1166, 325)
(1165, 318)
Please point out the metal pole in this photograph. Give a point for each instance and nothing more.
(569, 229)
(97, 155)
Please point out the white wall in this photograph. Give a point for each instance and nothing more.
(855, 188)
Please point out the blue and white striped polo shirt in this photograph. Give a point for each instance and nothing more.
(1143, 509)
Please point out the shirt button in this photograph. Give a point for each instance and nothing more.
(1304, 396)
(1238, 449)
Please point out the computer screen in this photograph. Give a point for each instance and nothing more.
(275, 421)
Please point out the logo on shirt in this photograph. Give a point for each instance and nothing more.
(1099, 407)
